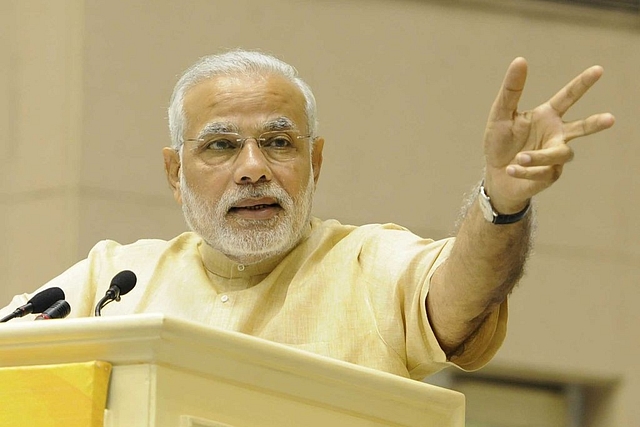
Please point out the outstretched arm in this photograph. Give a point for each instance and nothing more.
(524, 153)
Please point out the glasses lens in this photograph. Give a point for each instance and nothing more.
(219, 148)
(279, 146)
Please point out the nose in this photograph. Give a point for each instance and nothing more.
(251, 165)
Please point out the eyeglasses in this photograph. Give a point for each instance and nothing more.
(278, 146)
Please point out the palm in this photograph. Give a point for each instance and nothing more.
(525, 151)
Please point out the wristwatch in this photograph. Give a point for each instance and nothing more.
(494, 217)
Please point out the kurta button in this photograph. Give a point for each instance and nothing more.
(240, 267)
(224, 298)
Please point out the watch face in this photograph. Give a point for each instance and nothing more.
(494, 217)
(485, 206)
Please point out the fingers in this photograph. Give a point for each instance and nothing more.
(573, 91)
(558, 155)
(549, 174)
(588, 126)
(506, 103)
(541, 165)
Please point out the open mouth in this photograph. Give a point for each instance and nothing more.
(254, 207)
(263, 208)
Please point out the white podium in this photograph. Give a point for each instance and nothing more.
(172, 373)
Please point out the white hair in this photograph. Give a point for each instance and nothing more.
(233, 63)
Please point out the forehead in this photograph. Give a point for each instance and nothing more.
(246, 101)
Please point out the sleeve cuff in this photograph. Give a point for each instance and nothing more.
(481, 348)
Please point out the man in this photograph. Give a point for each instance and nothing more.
(244, 162)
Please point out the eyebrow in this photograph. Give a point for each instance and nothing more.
(280, 123)
(217, 127)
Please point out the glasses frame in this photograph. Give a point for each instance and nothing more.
(241, 140)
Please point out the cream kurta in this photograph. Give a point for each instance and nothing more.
(351, 293)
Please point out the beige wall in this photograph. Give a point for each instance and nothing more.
(403, 89)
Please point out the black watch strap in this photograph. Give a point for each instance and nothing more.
(491, 215)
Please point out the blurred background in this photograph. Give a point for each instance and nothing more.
(403, 89)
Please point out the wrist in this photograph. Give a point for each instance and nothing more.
(500, 203)
(501, 213)
(508, 208)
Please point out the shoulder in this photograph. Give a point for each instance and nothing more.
(143, 256)
(146, 246)
(374, 242)
(146, 258)
(390, 236)
(335, 228)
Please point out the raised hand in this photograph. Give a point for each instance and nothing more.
(525, 151)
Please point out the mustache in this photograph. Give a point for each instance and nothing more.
(270, 189)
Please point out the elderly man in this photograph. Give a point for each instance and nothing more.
(244, 162)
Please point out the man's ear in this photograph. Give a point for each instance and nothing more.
(316, 158)
(172, 169)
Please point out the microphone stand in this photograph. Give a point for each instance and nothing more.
(103, 302)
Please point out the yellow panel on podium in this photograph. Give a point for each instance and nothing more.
(70, 395)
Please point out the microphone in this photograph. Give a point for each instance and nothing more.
(121, 284)
(39, 302)
(59, 310)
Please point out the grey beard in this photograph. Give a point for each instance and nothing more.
(249, 241)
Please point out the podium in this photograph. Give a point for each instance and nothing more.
(167, 372)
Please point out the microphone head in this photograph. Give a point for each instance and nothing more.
(59, 310)
(125, 281)
(45, 299)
